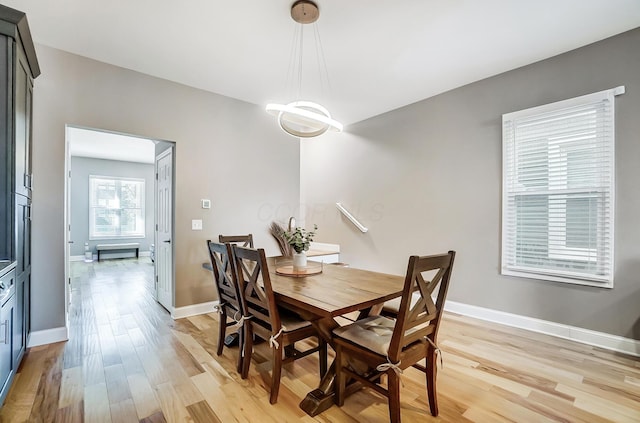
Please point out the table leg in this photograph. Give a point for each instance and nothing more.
(323, 397)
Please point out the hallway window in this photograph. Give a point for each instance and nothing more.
(116, 208)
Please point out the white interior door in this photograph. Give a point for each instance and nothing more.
(164, 233)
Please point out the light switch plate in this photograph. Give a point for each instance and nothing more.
(206, 204)
(196, 225)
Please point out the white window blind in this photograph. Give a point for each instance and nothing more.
(558, 187)
(116, 207)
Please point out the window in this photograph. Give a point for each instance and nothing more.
(558, 186)
(116, 207)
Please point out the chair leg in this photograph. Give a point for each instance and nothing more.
(247, 349)
(322, 351)
(222, 330)
(341, 377)
(431, 373)
(276, 372)
(393, 383)
(240, 350)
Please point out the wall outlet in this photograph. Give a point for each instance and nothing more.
(196, 225)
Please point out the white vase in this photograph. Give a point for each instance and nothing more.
(299, 261)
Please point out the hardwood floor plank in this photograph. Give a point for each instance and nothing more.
(72, 413)
(117, 384)
(71, 387)
(190, 365)
(632, 380)
(143, 395)
(210, 389)
(96, 404)
(203, 322)
(154, 418)
(172, 408)
(22, 394)
(45, 403)
(202, 413)
(130, 361)
(618, 409)
(564, 410)
(93, 369)
(153, 366)
(194, 348)
(124, 412)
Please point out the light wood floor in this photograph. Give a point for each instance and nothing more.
(127, 361)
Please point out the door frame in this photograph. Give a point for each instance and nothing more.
(67, 225)
(67, 212)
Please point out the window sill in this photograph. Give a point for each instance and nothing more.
(556, 278)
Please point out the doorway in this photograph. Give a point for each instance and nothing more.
(111, 203)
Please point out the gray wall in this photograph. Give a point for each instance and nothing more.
(427, 178)
(215, 137)
(81, 168)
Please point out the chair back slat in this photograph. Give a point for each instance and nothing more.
(242, 240)
(224, 274)
(416, 322)
(257, 297)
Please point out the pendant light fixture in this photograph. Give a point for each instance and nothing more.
(303, 118)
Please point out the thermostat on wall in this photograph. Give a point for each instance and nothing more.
(206, 204)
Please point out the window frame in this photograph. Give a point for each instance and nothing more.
(508, 246)
(92, 207)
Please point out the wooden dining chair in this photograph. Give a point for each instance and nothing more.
(262, 317)
(377, 345)
(242, 240)
(228, 292)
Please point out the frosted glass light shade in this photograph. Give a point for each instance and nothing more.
(304, 119)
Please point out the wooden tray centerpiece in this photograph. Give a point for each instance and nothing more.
(285, 267)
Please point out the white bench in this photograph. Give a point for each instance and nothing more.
(116, 247)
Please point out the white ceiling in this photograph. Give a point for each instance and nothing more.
(110, 146)
(380, 54)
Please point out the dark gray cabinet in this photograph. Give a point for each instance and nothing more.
(18, 68)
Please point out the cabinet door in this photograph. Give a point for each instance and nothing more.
(6, 365)
(6, 150)
(19, 334)
(22, 115)
(26, 310)
(23, 275)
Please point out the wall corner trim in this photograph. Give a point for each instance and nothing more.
(48, 336)
(573, 333)
(194, 309)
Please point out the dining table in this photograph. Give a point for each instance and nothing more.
(323, 297)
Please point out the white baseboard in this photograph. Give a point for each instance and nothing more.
(573, 333)
(194, 309)
(47, 336)
(76, 258)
